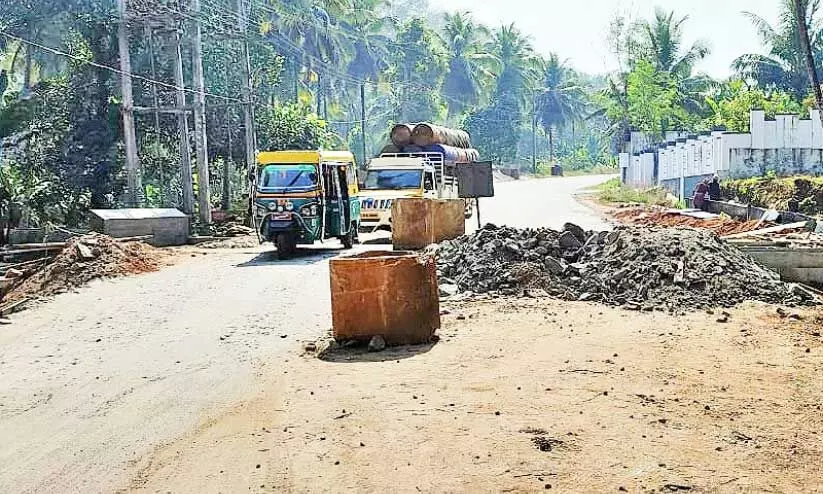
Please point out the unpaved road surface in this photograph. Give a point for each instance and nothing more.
(522, 396)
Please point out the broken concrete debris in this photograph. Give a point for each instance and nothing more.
(659, 268)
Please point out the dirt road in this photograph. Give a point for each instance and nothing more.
(526, 396)
(100, 386)
(92, 381)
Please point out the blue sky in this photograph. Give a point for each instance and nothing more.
(577, 29)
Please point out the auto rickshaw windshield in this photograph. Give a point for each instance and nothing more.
(297, 176)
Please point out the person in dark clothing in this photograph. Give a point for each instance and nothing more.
(714, 189)
(701, 193)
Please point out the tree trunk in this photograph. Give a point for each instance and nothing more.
(805, 44)
(550, 132)
(319, 96)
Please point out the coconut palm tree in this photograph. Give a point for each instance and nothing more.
(560, 101)
(468, 62)
(517, 64)
(310, 39)
(661, 43)
(785, 65)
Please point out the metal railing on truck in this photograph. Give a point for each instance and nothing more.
(445, 174)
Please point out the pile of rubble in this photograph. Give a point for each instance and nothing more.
(85, 258)
(640, 268)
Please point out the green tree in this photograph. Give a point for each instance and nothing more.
(419, 60)
(469, 64)
(732, 106)
(496, 127)
(560, 101)
(653, 100)
(661, 43)
(292, 126)
(784, 67)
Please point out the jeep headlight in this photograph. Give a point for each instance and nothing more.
(280, 208)
(272, 207)
(289, 206)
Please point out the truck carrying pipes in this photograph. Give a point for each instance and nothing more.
(405, 168)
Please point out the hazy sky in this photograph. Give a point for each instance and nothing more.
(577, 29)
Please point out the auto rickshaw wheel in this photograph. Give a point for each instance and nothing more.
(286, 245)
(349, 238)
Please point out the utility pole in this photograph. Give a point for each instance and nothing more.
(133, 186)
(363, 122)
(248, 107)
(534, 133)
(203, 192)
(228, 162)
(149, 32)
(183, 130)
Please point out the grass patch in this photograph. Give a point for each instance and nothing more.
(614, 192)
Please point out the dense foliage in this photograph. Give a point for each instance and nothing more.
(61, 143)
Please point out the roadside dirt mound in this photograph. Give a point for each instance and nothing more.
(723, 225)
(87, 258)
(238, 242)
(641, 268)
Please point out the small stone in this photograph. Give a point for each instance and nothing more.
(579, 233)
(449, 290)
(377, 344)
(555, 266)
(12, 273)
(530, 243)
(568, 241)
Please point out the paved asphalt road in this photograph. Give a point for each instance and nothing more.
(541, 203)
(93, 381)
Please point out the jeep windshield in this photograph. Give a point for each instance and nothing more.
(393, 179)
(283, 178)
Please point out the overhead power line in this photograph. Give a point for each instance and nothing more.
(110, 68)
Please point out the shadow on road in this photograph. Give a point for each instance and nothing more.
(302, 257)
(359, 352)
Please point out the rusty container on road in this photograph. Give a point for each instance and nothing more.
(417, 223)
(389, 293)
